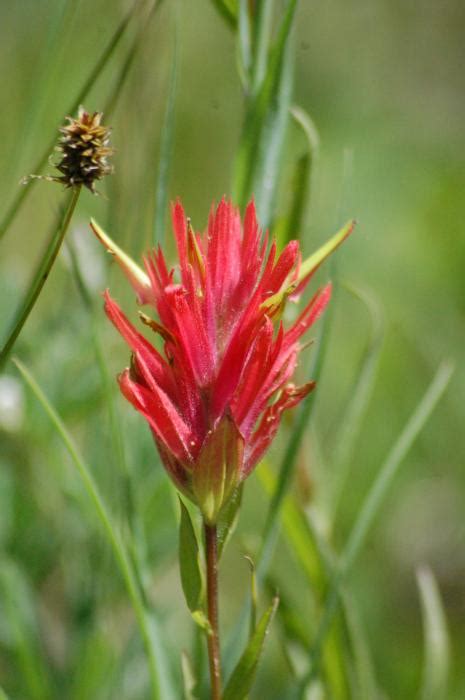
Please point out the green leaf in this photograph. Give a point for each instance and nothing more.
(437, 651)
(191, 575)
(243, 675)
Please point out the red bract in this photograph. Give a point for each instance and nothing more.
(215, 396)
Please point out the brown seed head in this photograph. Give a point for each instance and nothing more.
(85, 150)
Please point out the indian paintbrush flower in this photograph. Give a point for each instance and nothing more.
(215, 396)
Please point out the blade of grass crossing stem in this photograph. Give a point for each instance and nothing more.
(373, 502)
(18, 609)
(166, 149)
(40, 278)
(260, 147)
(436, 639)
(97, 69)
(243, 676)
(351, 422)
(161, 686)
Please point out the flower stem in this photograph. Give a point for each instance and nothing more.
(40, 277)
(213, 640)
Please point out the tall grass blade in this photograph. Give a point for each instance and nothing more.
(262, 22)
(39, 278)
(158, 668)
(166, 149)
(97, 69)
(366, 685)
(244, 45)
(355, 411)
(373, 502)
(260, 149)
(437, 652)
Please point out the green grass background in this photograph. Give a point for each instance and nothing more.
(383, 84)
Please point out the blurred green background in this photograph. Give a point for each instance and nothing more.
(383, 83)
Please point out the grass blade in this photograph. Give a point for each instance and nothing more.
(437, 653)
(260, 149)
(294, 224)
(166, 150)
(39, 278)
(147, 628)
(373, 503)
(354, 414)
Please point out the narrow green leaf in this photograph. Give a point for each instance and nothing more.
(166, 150)
(243, 676)
(3, 695)
(97, 69)
(191, 575)
(202, 621)
(436, 638)
(39, 278)
(373, 502)
(161, 685)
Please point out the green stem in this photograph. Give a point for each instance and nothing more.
(213, 640)
(40, 279)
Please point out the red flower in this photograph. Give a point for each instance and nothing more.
(215, 396)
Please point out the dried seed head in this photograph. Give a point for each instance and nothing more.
(85, 149)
